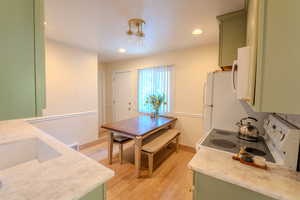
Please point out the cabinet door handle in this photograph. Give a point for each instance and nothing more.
(234, 66)
(192, 189)
(246, 99)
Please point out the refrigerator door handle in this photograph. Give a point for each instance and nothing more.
(204, 93)
(204, 97)
(234, 66)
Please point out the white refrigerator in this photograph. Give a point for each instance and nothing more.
(222, 109)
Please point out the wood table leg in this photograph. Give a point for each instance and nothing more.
(137, 155)
(110, 147)
(177, 143)
(150, 163)
(121, 153)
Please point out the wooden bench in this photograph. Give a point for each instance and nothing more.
(157, 142)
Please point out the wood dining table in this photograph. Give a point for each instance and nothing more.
(138, 129)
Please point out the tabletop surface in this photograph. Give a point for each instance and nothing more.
(138, 126)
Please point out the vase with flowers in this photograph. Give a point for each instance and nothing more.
(156, 101)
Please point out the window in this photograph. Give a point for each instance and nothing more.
(154, 81)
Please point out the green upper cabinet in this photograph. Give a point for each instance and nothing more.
(22, 62)
(39, 23)
(232, 36)
(273, 35)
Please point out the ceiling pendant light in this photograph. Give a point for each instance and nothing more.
(135, 31)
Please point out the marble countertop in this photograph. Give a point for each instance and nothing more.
(276, 182)
(67, 177)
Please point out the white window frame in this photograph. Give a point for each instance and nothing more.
(172, 86)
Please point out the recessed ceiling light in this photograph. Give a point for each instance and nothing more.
(197, 32)
(121, 50)
(45, 23)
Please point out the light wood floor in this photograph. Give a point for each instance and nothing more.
(171, 179)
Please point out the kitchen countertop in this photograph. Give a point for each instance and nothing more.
(69, 176)
(276, 182)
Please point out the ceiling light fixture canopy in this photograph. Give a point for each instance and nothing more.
(135, 29)
(197, 32)
(122, 50)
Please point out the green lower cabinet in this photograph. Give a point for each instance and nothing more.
(97, 194)
(209, 188)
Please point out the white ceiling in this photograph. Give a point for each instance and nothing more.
(101, 25)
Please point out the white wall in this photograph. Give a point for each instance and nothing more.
(71, 79)
(71, 87)
(72, 128)
(191, 67)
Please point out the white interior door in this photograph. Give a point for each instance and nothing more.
(123, 105)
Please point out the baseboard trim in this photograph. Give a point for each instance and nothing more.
(93, 143)
(187, 148)
(102, 138)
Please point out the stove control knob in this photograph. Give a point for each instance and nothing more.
(267, 121)
(282, 137)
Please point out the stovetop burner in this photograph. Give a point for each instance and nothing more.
(228, 141)
(223, 143)
(247, 138)
(220, 132)
(255, 151)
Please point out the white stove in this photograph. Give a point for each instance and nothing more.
(228, 141)
(283, 141)
(279, 145)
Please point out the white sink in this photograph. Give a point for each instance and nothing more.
(18, 152)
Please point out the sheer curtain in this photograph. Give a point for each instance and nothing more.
(154, 81)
